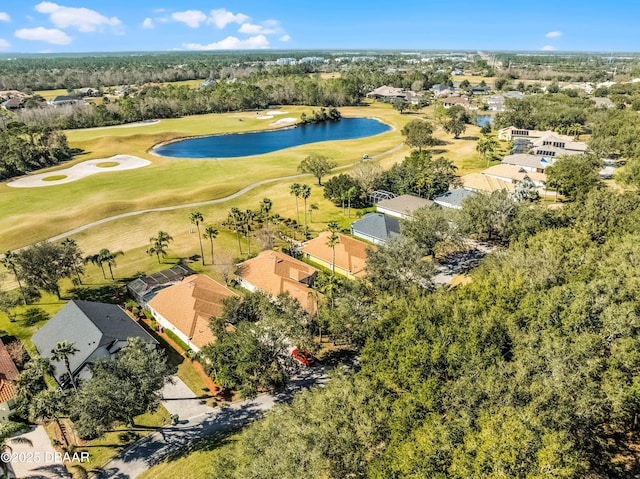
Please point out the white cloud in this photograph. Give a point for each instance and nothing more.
(269, 27)
(548, 48)
(285, 38)
(4, 17)
(221, 18)
(50, 35)
(83, 19)
(4, 44)
(148, 23)
(192, 18)
(555, 34)
(232, 43)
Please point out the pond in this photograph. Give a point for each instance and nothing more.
(482, 120)
(257, 143)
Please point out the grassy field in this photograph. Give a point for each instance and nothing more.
(34, 214)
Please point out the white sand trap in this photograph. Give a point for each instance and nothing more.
(283, 121)
(81, 170)
(265, 117)
(277, 112)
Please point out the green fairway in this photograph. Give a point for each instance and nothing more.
(28, 215)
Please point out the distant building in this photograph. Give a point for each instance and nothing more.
(286, 61)
(456, 101)
(63, 100)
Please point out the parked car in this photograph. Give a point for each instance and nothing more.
(303, 357)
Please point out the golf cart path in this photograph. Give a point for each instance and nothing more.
(203, 203)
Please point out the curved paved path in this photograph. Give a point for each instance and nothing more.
(202, 203)
(154, 448)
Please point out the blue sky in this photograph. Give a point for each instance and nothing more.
(118, 25)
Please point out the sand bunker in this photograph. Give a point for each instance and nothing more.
(81, 170)
(283, 121)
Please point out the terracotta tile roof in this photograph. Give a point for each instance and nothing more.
(189, 304)
(8, 372)
(480, 182)
(275, 273)
(351, 253)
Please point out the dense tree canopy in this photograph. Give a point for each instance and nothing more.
(529, 371)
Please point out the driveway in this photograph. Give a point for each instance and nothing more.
(152, 449)
(179, 399)
(37, 461)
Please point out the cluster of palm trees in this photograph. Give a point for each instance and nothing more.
(210, 233)
(487, 146)
(244, 222)
(159, 244)
(302, 191)
(102, 257)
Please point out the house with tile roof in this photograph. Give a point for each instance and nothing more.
(350, 254)
(8, 372)
(97, 330)
(185, 308)
(376, 228)
(480, 182)
(275, 273)
(402, 206)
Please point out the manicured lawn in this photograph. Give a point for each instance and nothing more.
(196, 459)
(30, 215)
(103, 449)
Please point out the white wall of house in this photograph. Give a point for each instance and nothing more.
(367, 237)
(395, 214)
(166, 324)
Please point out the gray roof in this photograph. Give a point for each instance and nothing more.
(404, 204)
(528, 161)
(88, 326)
(377, 225)
(453, 198)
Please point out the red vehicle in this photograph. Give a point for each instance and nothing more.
(303, 356)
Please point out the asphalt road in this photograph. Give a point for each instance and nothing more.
(152, 449)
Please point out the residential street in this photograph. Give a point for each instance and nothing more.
(152, 449)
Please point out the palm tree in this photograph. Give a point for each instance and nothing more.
(95, 259)
(210, 233)
(47, 405)
(265, 208)
(295, 191)
(106, 256)
(197, 218)
(61, 352)
(305, 192)
(248, 218)
(159, 245)
(332, 240)
(4, 437)
(235, 218)
(9, 262)
(351, 194)
(487, 146)
(312, 208)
